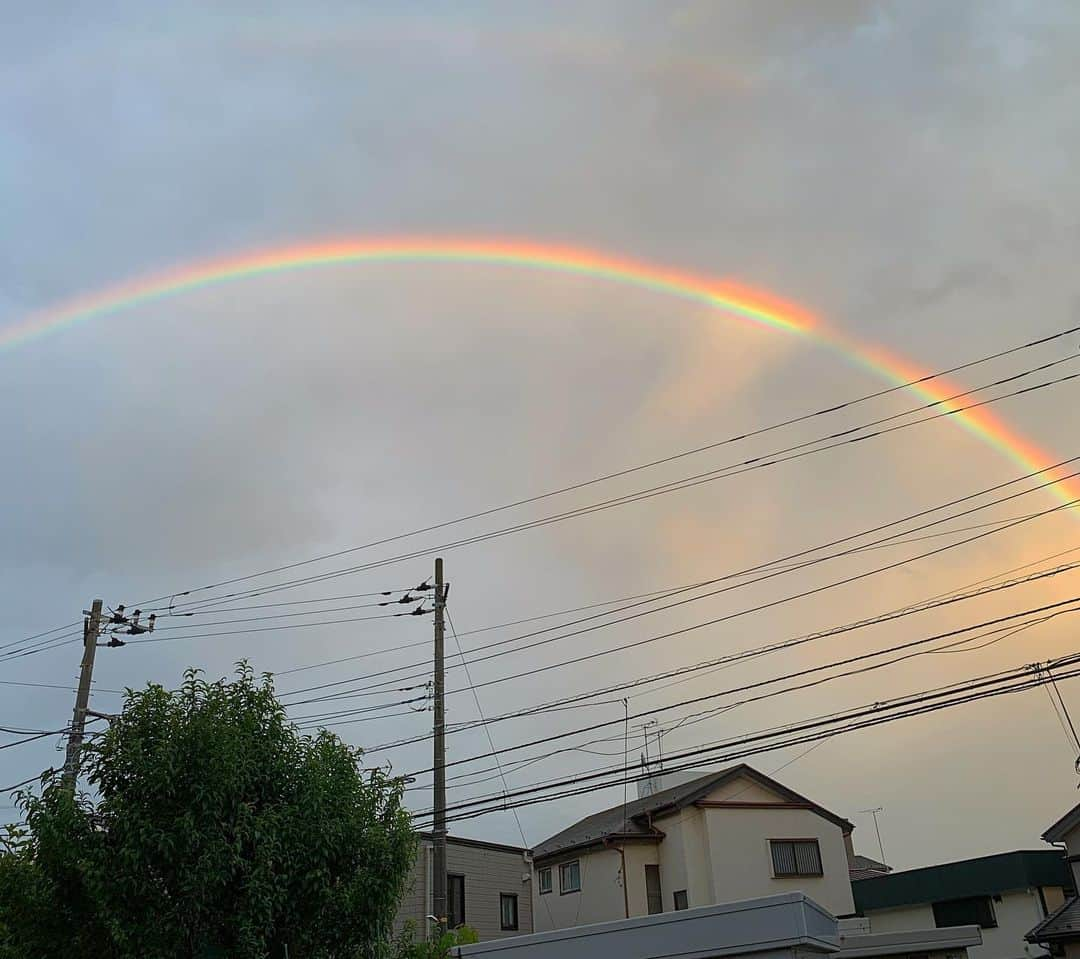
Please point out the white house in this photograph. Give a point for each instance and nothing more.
(1060, 931)
(1003, 894)
(726, 836)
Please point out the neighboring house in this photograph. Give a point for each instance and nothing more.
(863, 867)
(1004, 895)
(488, 888)
(1060, 931)
(731, 835)
(788, 926)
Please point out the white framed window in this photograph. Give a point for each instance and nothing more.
(569, 877)
(543, 880)
(795, 857)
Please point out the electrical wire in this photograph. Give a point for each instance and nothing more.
(1004, 683)
(747, 687)
(711, 622)
(643, 466)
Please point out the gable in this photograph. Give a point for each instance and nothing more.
(742, 788)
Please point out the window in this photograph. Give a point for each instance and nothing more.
(681, 900)
(508, 916)
(543, 877)
(455, 901)
(652, 890)
(975, 911)
(569, 877)
(795, 857)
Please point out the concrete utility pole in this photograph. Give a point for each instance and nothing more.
(91, 631)
(117, 622)
(438, 895)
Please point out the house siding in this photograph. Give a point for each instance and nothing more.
(488, 873)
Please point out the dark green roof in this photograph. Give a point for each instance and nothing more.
(985, 876)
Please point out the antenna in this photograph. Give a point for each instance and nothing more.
(874, 812)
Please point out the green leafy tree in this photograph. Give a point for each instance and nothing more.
(218, 831)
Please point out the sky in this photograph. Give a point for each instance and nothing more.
(904, 172)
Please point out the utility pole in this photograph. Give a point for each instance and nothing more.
(91, 631)
(438, 895)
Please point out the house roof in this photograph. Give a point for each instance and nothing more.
(984, 876)
(477, 843)
(1068, 822)
(1062, 923)
(863, 867)
(633, 821)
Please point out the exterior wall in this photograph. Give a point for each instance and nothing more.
(1016, 914)
(742, 863)
(488, 872)
(600, 898)
(638, 855)
(1072, 849)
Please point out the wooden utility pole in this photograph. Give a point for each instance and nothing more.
(438, 894)
(91, 631)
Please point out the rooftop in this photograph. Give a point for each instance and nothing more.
(983, 876)
(631, 822)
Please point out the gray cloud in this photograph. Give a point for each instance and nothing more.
(904, 170)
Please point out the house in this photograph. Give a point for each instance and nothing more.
(787, 926)
(1060, 930)
(726, 836)
(488, 888)
(1004, 894)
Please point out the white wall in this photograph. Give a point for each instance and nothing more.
(1016, 914)
(738, 840)
(600, 899)
(1072, 847)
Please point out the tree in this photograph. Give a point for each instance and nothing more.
(219, 830)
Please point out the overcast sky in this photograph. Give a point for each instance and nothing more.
(905, 171)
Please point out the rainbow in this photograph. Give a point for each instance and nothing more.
(750, 306)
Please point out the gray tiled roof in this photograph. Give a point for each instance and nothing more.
(1056, 833)
(863, 867)
(610, 822)
(1062, 924)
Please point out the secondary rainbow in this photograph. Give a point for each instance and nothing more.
(750, 306)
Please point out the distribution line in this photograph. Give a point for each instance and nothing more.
(1002, 633)
(726, 472)
(639, 467)
(791, 597)
(766, 649)
(987, 686)
(709, 697)
(654, 594)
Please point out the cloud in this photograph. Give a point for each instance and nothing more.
(902, 169)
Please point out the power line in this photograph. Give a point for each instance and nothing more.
(1002, 632)
(746, 611)
(1004, 683)
(624, 472)
(750, 686)
(757, 651)
(725, 472)
(653, 594)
